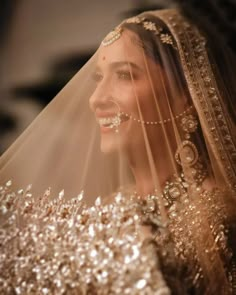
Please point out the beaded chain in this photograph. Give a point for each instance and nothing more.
(157, 122)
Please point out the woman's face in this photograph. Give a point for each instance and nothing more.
(123, 76)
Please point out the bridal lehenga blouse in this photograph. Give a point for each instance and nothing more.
(125, 183)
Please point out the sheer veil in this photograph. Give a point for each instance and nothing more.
(151, 113)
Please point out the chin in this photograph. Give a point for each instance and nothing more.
(111, 144)
(108, 147)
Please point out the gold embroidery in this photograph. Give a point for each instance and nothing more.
(204, 90)
(166, 38)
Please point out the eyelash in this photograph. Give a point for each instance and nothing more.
(124, 75)
(121, 74)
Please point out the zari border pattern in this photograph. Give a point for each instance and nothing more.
(204, 91)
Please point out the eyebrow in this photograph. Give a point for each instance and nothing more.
(118, 64)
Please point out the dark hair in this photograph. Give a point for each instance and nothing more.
(148, 40)
(160, 52)
(152, 46)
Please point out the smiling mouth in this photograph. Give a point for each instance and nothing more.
(112, 122)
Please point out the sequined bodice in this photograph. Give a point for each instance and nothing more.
(65, 247)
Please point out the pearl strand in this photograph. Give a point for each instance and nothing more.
(157, 122)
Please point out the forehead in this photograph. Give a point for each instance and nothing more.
(125, 48)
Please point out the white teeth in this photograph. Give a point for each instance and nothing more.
(109, 122)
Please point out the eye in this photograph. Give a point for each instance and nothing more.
(97, 77)
(124, 75)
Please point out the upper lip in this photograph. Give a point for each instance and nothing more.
(106, 114)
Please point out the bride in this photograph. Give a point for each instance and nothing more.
(144, 136)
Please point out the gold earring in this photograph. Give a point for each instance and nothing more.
(187, 155)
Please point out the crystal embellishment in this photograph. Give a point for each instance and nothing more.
(146, 24)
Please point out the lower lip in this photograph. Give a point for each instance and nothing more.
(106, 129)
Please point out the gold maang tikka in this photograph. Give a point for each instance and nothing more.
(146, 24)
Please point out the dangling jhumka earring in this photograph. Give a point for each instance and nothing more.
(176, 189)
(187, 154)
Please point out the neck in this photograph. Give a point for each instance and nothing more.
(151, 171)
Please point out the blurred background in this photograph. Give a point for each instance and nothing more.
(44, 43)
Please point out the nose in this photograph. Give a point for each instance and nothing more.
(101, 96)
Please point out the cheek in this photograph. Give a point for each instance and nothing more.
(127, 99)
(133, 95)
(147, 100)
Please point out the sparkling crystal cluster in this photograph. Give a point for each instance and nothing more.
(65, 247)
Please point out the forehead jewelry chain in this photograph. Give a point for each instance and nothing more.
(146, 24)
(157, 122)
